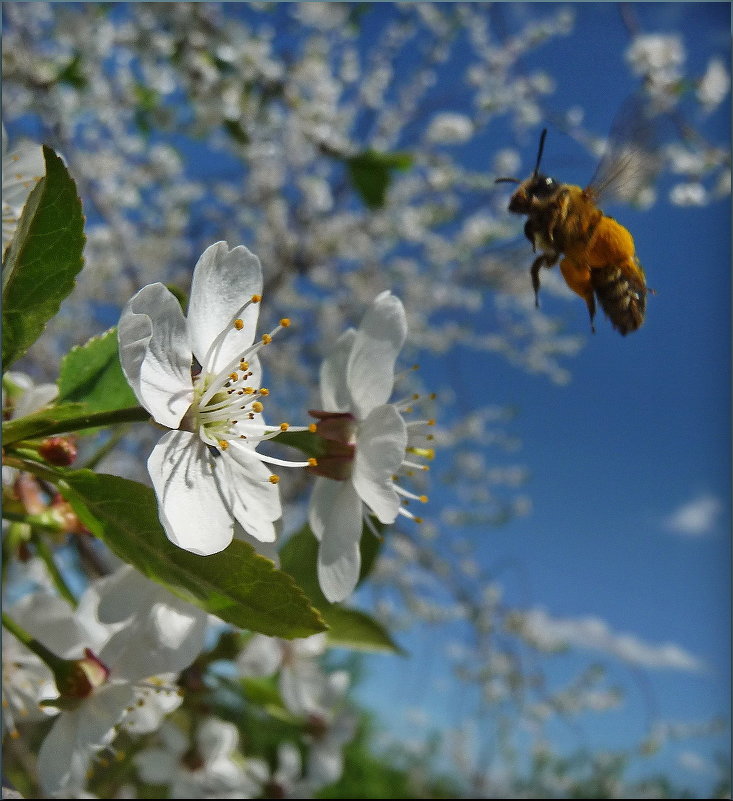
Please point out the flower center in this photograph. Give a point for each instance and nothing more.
(338, 444)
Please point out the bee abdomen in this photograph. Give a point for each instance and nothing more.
(622, 298)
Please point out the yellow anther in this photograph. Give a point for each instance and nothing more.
(284, 426)
(312, 428)
(423, 499)
(415, 396)
(256, 298)
(428, 453)
(239, 324)
(257, 406)
(431, 422)
(418, 519)
(274, 479)
(266, 339)
(313, 462)
(285, 322)
(432, 396)
(234, 376)
(248, 391)
(264, 391)
(223, 444)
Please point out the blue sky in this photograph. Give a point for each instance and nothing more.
(630, 462)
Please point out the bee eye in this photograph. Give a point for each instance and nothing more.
(543, 186)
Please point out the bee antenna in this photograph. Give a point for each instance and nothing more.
(507, 181)
(539, 151)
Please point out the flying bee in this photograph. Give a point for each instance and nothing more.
(599, 257)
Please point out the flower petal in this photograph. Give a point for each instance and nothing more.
(67, 749)
(223, 280)
(261, 656)
(336, 519)
(334, 390)
(155, 355)
(370, 369)
(380, 450)
(250, 495)
(190, 504)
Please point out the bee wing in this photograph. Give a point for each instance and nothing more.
(632, 158)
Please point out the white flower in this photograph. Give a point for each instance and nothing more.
(714, 85)
(329, 732)
(366, 439)
(210, 481)
(286, 780)
(130, 637)
(22, 397)
(449, 129)
(23, 167)
(301, 677)
(657, 57)
(211, 769)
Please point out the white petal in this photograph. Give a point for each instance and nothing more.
(156, 765)
(52, 621)
(289, 763)
(123, 593)
(253, 499)
(380, 450)
(340, 522)
(35, 398)
(65, 753)
(217, 739)
(155, 355)
(152, 705)
(165, 638)
(191, 507)
(261, 656)
(370, 370)
(325, 763)
(223, 280)
(334, 391)
(301, 685)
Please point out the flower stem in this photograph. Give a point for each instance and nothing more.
(44, 424)
(54, 662)
(47, 556)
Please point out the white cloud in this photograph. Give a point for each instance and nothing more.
(695, 763)
(696, 517)
(593, 633)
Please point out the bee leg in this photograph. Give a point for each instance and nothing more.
(591, 303)
(535, 273)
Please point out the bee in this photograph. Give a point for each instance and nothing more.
(599, 256)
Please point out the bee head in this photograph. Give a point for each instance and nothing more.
(537, 186)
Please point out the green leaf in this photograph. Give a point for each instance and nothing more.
(67, 417)
(237, 585)
(43, 259)
(73, 73)
(349, 628)
(91, 374)
(370, 173)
